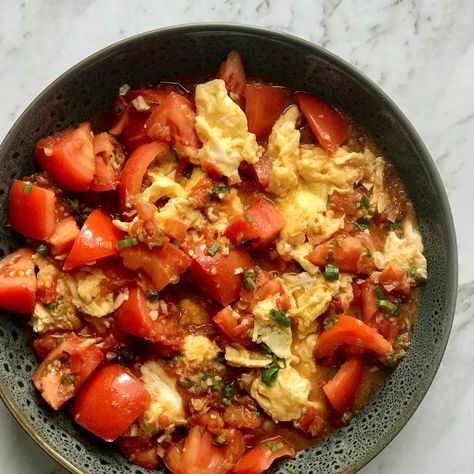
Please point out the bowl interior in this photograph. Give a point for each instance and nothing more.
(175, 53)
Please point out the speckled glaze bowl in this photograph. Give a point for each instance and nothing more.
(173, 53)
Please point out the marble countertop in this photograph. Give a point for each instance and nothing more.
(420, 53)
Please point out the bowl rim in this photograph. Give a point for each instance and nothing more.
(243, 28)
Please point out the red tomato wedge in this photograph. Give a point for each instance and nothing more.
(262, 170)
(394, 279)
(368, 302)
(216, 275)
(199, 454)
(263, 105)
(31, 210)
(232, 72)
(98, 239)
(134, 170)
(173, 122)
(134, 133)
(325, 121)
(18, 282)
(64, 236)
(68, 158)
(340, 390)
(257, 227)
(351, 331)
(163, 264)
(235, 329)
(110, 401)
(134, 318)
(66, 368)
(108, 162)
(261, 457)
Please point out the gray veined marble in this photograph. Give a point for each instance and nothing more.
(420, 53)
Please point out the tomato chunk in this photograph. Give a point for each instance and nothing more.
(216, 275)
(351, 331)
(66, 368)
(368, 302)
(235, 329)
(324, 120)
(163, 264)
(262, 170)
(141, 451)
(263, 105)
(110, 401)
(18, 282)
(62, 239)
(97, 239)
(109, 158)
(231, 71)
(261, 457)
(134, 170)
(258, 226)
(68, 158)
(340, 390)
(31, 210)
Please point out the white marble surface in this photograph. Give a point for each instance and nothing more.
(420, 52)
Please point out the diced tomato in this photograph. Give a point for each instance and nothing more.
(96, 240)
(175, 229)
(173, 122)
(62, 239)
(45, 344)
(394, 280)
(134, 133)
(110, 401)
(163, 264)
(259, 225)
(260, 458)
(368, 302)
(231, 71)
(199, 455)
(350, 331)
(108, 162)
(216, 275)
(311, 422)
(325, 121)
(134, 318)
(263, 105)
(262, 170)
(66, 368)
(18, 282)
(241, 416)
(235, 329)
(134, 170)
(389, 328)
(31, 210)
(140, 451)
(201, 192)
(68, 158)
(340, 390)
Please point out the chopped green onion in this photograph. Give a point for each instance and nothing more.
(248, 218)
(173, 155)
(280, 317)
(213, 249)
(265, 349)
(124, 356)
(121, 244)
(51, 306)
(390, 361)
(27, 188)
(362, 223)
(219, 440)
(330, 320)
(228, 391)
(216, 385)
(367, 252)
(156, 244)
(42, 250)
(185, 383)
(152, 294)
(395, 225)
(335, 243)
(275, 447)
(379, 293)
(364, 201)
(248, 279)
(216, 190)
(331, 271)
(371, 212)
(269, 376)
(332, 372)
(172, 361)
(225, 401)
(413, 272)
(391, 307)
(154, 104)
(68, 378)
(279, 363)
(175, 244)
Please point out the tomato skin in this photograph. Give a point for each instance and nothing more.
(105, 149)
(262, 170)
(18, 282)
(232, 72)
(222, 283)
(62, 239)
(163, 264)
(340, 390)
(96, 240)
(139, 451)
(68, 158)
(82, 359)
(260, 458)
(134, 170)
(311, 422)
(133, 317)
(263, 105)
(352, 331)
(394, 280)
(110, 401)
(134, 133)
(260, 224)
(368, 302)
(31, 214)
(234, 329)
(324, 120)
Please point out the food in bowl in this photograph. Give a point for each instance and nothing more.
(218, 273)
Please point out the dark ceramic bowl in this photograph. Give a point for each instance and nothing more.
(172, 53)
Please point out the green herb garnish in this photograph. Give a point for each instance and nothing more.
(152, 294)
(185, 383)
(367, 252)
(269, 375)
(121, 244)
(330, 320)
(248, 279)
(51, 306)
(213, 249)
(216, 190)
(362, 223)
(68, 379)
(379, 293)
(364, 201)
(42, 250)
(331, 271)
(392, 307)
(413, 272)
(395, 225)
(248, 218)
(27, 187)
(280, 317)
(332, 372)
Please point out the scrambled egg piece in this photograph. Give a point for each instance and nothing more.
(199, 350)
(222, 127)
(277, 337)
(182, 210)
(286, 399)
(238, 356)
(220, 213)
(380, 198)
(196, 176)
(303, 353)
(283, 147)
(166, 407)
(406, 252)
(162, 187)
(165, 166)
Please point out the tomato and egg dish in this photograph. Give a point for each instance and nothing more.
(217, 274)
